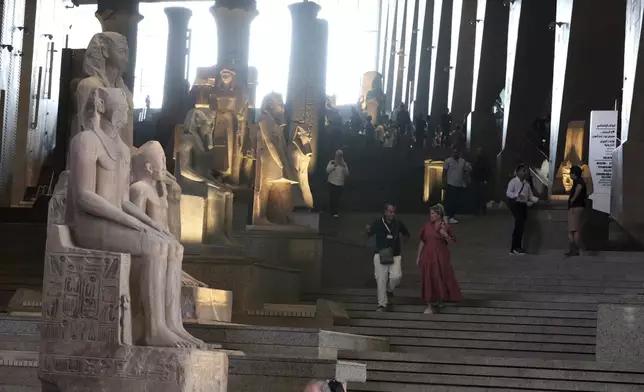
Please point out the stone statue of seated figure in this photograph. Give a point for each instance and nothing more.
(148, 192)
(206, 202)
(101, 217)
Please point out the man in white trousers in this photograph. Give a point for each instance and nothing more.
(387, 260)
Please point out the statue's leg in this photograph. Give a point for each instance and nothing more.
(174, 320)
(153, 290)
(150, 252)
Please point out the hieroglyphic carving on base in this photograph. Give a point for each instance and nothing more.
(85, 297)
(182, 370)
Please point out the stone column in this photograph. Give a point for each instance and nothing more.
(414, 55)
(423, 58)
(306, 94)
(175, 87)
(627, 186)
(462, 59)
(528, 77)
(390, 74)
(490, 53)
(402, 68)
(440, 58)
(122, 16)
(233, 19)
(586, 31)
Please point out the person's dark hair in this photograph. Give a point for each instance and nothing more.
(336, 386)
(389, 204)
(520, 166)
(576, 170)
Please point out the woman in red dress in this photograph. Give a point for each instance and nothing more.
(438, 283)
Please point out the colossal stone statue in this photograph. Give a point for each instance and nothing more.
(229, 102)
(102, 217)
(373, 96)
(275, 175)
(207, 203)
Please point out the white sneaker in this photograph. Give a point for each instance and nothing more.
(429, 310)
(452, 221)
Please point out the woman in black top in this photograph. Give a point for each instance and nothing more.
(576, 206)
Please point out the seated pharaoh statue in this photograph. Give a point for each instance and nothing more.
(275, 175)
(102, 217)
(208, 200)
(105, 61)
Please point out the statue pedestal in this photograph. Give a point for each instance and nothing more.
(202, 305)
(88, 367)
(308, 220)
(288, 246)
(87, 331)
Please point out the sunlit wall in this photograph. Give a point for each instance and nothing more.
(352, 50)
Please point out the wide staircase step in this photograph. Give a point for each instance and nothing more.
(444, 372)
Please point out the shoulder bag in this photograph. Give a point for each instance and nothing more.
(387, 254)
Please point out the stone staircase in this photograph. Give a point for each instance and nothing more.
(528, 324)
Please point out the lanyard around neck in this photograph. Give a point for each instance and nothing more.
(387, 227)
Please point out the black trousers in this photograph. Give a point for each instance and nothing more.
(520, 213)
(335, 193)
(480, 197)
(453, 200)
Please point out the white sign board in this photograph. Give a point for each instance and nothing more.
(603, 140)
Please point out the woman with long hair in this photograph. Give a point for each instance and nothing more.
(438, 283)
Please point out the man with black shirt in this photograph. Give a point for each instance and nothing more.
(387, 260)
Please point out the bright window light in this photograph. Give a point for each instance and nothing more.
(351, 52)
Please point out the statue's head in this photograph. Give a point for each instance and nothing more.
(149, 161)
(273, 104)
(107, 106)
(106, 50)
(227, 77)
(198, 121)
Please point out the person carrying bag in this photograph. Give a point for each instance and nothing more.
(387, 259)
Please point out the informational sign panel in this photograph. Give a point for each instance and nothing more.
(603, 140)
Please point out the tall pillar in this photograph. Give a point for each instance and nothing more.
(391, 63)
(627, 189)
(122, 16)
(306, 94)
(439, 84)
(414, 54)
(462, 59)
(424, 59)
(528, 80)
(490, 53)
(175, 86)
(233, 19)
(404, 53)
(586, 30)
